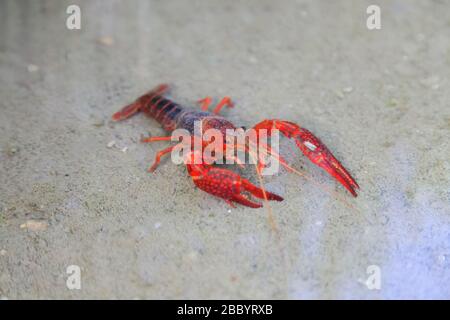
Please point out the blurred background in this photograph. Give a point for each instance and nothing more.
(74, 188)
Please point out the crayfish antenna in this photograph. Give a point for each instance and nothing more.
(263, 193)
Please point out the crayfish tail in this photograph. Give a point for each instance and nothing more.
(139, 104)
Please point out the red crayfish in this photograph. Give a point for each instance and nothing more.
(220, 182)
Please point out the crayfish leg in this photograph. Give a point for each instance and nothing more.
(158, 157)
(206, 102)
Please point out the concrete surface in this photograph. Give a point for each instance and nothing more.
(378, 99)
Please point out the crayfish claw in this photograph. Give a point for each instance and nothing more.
(319, 154)
(239, 198)
(227, 185)
(314, 149)
(259, 193)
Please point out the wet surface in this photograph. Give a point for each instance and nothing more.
(75, 190)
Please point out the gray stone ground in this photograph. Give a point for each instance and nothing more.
(378, 99)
